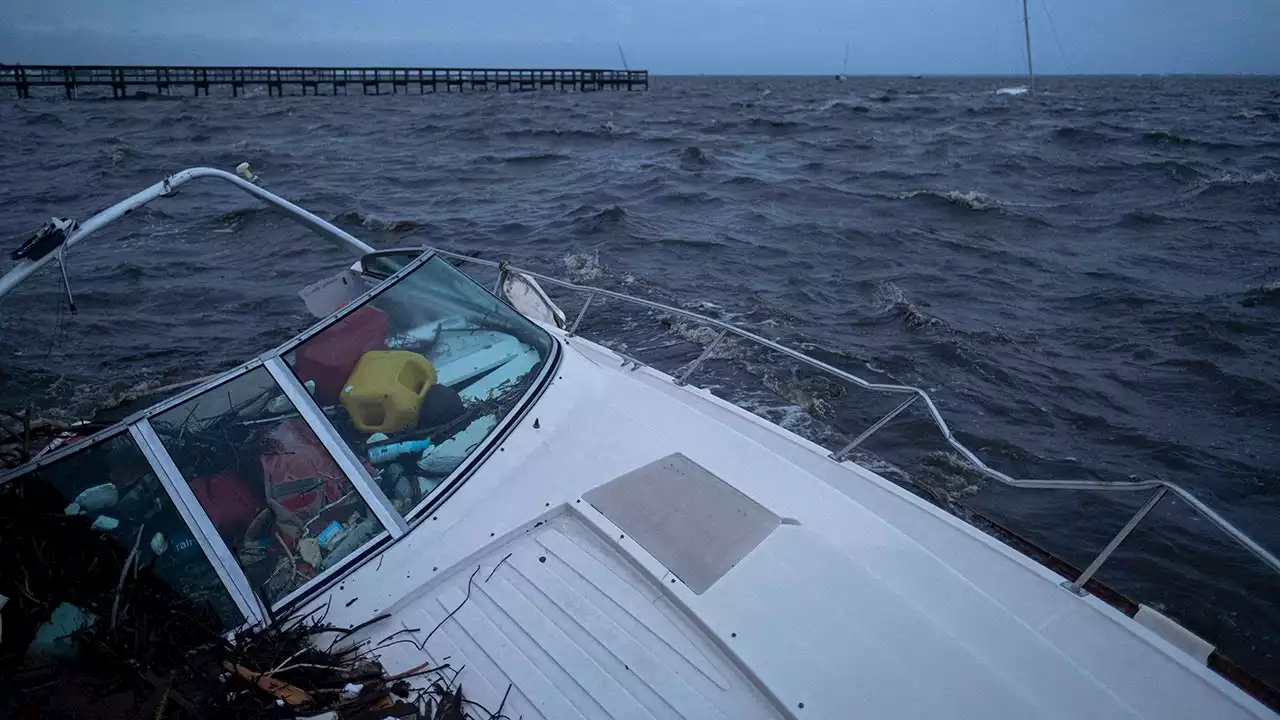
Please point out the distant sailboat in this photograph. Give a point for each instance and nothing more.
(1030, 87)
(844, 69)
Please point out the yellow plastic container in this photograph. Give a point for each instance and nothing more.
(385, 390)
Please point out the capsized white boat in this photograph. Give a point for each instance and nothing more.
(467, 480)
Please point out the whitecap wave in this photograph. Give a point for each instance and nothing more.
(948, 478)
(805, 394)
(121, 153)
(582, 266)
(889, 298)
(1252, 114)
(370, 221)
(833, 103)
(971, 199)
(1234, 178)
(699, 334)
(1014, 90)
(888, 295)
(792, 418)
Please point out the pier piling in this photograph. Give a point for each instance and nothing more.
(135, 80)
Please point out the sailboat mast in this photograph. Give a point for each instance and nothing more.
(1026, 29)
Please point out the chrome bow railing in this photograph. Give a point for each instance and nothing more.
(1159, 488)
(25, 267)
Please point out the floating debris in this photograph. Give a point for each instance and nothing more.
(98, 497)
(104, 523)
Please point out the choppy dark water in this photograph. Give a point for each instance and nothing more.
(1088, 281)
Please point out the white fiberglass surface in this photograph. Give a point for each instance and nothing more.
(557, 623)
(865, 599)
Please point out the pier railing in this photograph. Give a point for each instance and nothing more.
(166, 80)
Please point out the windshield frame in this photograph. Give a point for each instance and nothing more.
(137, 426)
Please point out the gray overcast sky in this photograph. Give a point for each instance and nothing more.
(665, 36)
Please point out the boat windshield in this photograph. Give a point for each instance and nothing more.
(281, 475)
(417, 377)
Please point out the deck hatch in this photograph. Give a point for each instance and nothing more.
(690, 520)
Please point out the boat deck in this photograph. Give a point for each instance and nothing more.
(862, 600)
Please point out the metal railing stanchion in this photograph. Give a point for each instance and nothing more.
(573, 329)
(843, 453)
(1077, 586)
(682, 377)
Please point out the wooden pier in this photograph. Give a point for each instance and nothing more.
(145, 80)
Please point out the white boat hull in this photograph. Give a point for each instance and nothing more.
(863, 601)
